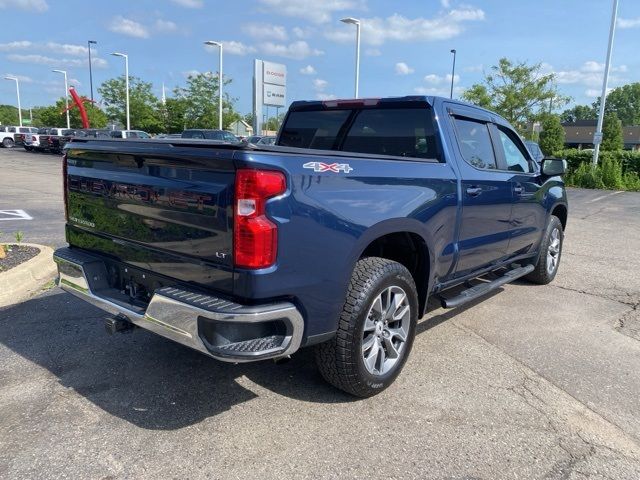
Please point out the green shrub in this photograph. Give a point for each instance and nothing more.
(608, 174)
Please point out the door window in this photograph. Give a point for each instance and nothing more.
(514, 156)
(475, 144)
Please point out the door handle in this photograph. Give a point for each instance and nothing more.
(518, 190)
(474, 191)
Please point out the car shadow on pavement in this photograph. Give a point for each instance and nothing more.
(141, 377)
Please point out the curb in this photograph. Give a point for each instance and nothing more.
(19, 283)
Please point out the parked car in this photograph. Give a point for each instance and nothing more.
(6, 136)
(55, 139)
(202, 134)
(32, 140)
(267, 141)
(335, 238)
(168, 135)
(253, 139)
(534, 150)
(14, 136)
(129, 134)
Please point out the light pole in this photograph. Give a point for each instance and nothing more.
(219, 45)
(597, 137)
(453, 71)
(66, 94)
(126, 81)
(89, 43)
(15, 79)
(356, 22)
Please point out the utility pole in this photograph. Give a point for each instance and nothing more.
(453, 71)
(89, 43)
(597, 137)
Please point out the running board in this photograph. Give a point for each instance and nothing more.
(478, 291)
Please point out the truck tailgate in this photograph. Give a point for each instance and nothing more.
(155, 206)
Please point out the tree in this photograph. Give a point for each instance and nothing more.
(201, 100)
(625, 102)
(552, 134)
(612, 132)
(173, 114)
(54, 116)
(8, 115)
(144, 106)
(579, 112)
(519, 92)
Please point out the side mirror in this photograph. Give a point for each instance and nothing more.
(552, 167)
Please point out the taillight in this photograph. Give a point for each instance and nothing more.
(65, 182)
(255, 239)
(33, 138)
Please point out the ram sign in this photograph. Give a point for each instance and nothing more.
(269, 88)
(274, 95)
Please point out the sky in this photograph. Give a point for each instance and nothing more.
(405, 44)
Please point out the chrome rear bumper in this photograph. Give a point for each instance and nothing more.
(214, 326)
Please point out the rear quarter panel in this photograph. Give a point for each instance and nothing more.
(327, 219)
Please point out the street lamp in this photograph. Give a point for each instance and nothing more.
(18, 92)
(453, 72)
(126, 81)
(89, 43)
(66, 95)
(219, 45)
(356, 22)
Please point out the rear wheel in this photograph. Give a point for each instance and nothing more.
(7, 143)
(550, 251)
(376, 329)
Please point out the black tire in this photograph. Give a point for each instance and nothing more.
(542, 274)
(341, 360)
(28, 149)
(8, 143)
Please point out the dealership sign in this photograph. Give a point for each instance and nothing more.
(269, 88)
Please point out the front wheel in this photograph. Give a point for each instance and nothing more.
(550, 251)
(7, 143)
(376, 329)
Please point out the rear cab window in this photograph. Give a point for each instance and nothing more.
(407, 132)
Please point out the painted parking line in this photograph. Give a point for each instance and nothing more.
(605, 196)
(14, 215)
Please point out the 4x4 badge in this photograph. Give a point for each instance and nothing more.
(328, 167)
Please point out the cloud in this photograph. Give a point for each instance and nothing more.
(165, 26)
(128, 27)
(189, 3)
(438, 91)
(595, 92)
(372, 52)
(319, 85)
(629, 22)
(589, 74)
(31, 6)
(232, 48)
(377, 31)
(266, 30)
(302, 32)
(325, 96)
(434, 79)
(316, 11)
(22, 78)
(474, 68)
(56, 62)
(298, 50)
(403, 69)
(62, 48)
(308, 70)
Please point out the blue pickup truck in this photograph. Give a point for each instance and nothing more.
(336, 237)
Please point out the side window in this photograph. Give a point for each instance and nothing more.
(515, 157)
(475, 144)
(229, 137)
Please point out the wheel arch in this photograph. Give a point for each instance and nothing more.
(405, 243)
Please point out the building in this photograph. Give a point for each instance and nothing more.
(240, 128)
(579, 134)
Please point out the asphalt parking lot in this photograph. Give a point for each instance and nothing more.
(531, 382)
